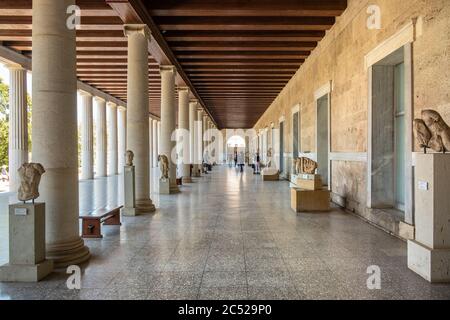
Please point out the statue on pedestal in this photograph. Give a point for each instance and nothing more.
(164, 166)
(30, 177)
(305, 165)
(432, 132)
(129, 156)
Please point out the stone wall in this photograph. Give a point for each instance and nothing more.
(340, 58)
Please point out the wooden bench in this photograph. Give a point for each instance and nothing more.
(92, 221)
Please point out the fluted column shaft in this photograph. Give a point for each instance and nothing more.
(18, 124)
(54, 118)
(200, 131)
(155, 143)
(192, 135)
(137, 112)
(87, 137)
(112, 138)
(121, 137)
(183, 139)
(100, 137)
(150, 141)
(168, 108)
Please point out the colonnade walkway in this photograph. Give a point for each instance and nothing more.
(229, 236)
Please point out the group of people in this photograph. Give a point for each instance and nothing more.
(239, 161)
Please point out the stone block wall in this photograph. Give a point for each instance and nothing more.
(340, 58)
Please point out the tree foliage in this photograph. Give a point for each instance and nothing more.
(4, 122)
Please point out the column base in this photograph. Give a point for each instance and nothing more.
(431, 264)
(129, 212)
(145, 206)
(187, 180)
(25, 273)
(68, 253)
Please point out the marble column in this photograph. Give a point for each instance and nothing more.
(155, 143)
(18, 124)
(137, 112)
(192, 135)
(199, 137)
(87, 137)
(168, 117)
(54, 118)
(183, 125)
(121, 137)
(158, 127)
(100, 137)
(150, 142)
(112, 138)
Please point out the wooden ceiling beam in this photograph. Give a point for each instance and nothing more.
(249, 8)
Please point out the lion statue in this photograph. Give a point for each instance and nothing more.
(305, 165)
(164, 166)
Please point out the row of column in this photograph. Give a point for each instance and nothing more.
(54, 118)
(110, 137)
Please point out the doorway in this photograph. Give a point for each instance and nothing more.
(282, 147)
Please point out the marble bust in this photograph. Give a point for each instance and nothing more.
(129, 156)
(30, 177)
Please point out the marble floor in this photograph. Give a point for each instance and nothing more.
(229, 236)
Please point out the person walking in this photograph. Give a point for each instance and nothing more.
(257, 163)
(241, 161)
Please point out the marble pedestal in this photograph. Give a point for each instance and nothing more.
(429, 253)
(270, 174)
(164, 186)
(129, 208)
(27, 261)
(310, 200)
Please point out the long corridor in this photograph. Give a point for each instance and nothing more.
(232, 236)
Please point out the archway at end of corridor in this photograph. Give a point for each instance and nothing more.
(235, 146)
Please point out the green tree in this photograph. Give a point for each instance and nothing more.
(4, 122)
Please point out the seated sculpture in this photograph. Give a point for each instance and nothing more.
(432, 132)
(305, 165)
(164, 166)
(30, 177)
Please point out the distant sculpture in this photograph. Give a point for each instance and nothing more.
(30, 177)
(269, 157)
(164, 166)
(432, 132)
(305, 165)
(129, 155)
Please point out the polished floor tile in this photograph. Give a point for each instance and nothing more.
(227, 236)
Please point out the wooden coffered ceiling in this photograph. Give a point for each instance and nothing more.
(236, 55)
(239, 54)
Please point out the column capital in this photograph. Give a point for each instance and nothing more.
(183, 89)
(129, 29)
(84, 93)
(167, 68)
(193, 101)
(14, 66)
(111, 104)
(99, 99)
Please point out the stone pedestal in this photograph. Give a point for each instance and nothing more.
(310, 200)
(164, 186)
(309, 181)
(129, 208)
(27, 261)
(270, 174)
(429, 253)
